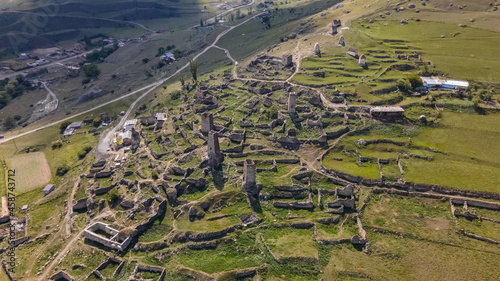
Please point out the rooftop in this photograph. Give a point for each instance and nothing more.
(387, 109)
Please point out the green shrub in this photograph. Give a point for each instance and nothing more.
(63, 126)
(62, 170)
(84, 152)
(175, 95)
(91, 70)
(57, 144)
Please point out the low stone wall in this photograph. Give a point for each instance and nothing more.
(212, 235)
(474, 203)
(336, 134)
(104, 190)
(480, 238)
(409, 186)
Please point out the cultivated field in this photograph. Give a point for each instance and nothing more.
(32, 170)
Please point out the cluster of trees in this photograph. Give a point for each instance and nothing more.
(12, 88)
(99, 55)
(10, 122)
(84, 152)
(411, 82)
(162, 50)
(91, 70)
(62, 170)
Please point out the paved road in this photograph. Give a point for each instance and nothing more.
(76, 115)
(212, 20)
(156, 84)
(104, 143)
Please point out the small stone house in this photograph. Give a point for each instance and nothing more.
(48, 189)
(362, 60)
(394, 114)
(352, 51)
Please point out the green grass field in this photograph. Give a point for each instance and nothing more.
(32, 171)
(468, 160)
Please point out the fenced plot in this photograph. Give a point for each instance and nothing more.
(32, 170)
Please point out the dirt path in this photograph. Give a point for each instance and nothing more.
(104, 143)
(63, 252)
(69, 214)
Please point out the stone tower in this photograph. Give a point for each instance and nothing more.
(317, 50)
(362, 60)
(287, 60)
(249, 177)
(207, 122)
(291, 102)
(215, 157)
(333, 30)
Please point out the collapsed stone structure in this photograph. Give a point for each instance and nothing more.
(316, 50)
(104, 234)
(341, 41)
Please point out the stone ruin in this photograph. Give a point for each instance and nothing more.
(103, 234)
(147, 268)
(60, 276)
(207, 122)
(111, 260)
(333, 30)
(311, 124)
(362, 60)
(345, 200)
(341, 41)
(316, 50)
(292, 97)
(336, 23)
(215, 156)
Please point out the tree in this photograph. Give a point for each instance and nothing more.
(63, 126)
(272, 113)
(84, 152)
(404, 86)
(62, 170)
(96, 122)
(182, 79)
(91, 70)
(9, 123)
(87, 40)
(414, 80)
(145, 60)
(193, 68)
(201, 22)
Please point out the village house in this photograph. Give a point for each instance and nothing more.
(72, 128)
(167, 57)
(435, 83)
(388, 113)
(48, 189)
(24, 56)
(149, 120)
(352, 51)
(130, 124)
(362, 61)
